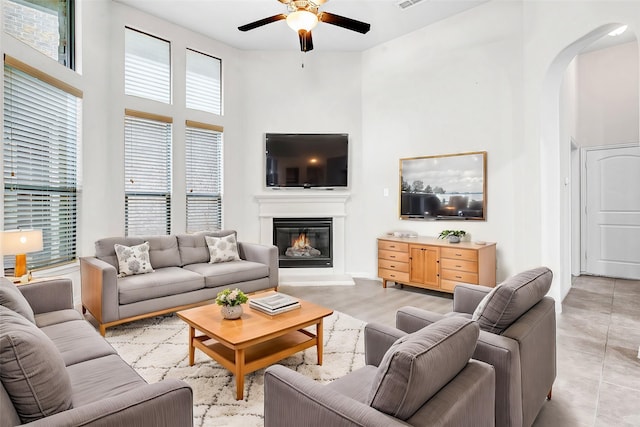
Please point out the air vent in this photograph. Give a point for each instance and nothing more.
(405, 4)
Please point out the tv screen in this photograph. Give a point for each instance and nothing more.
(307, 160)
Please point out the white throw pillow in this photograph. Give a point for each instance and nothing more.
(133, 259)
(483, 303)
(222, 249)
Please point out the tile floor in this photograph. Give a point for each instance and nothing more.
(598, 339)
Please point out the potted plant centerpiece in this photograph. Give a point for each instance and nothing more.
(452, 235)
(230, 301)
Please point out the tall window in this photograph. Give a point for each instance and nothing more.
(204, 176)
(40, 152)
(147, 66)
(45, 25)
(203, 82)
(147, 165)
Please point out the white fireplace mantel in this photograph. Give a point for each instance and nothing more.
(292, 204)
(307, 204)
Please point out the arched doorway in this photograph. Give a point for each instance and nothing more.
(556, 164)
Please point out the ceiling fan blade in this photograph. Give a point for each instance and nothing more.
(306, 42)
(262, 22)
(341, 21)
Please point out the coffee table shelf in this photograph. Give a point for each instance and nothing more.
(260, 355)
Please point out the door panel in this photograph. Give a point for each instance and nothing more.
(613, 212)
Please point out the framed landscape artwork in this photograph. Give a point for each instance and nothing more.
(451, 186)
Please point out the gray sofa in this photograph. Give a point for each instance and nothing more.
(421, 379)
(517, 336)
(58, 371)
(182, 276)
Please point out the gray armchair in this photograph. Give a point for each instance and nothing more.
(421, 379)
(517, 336)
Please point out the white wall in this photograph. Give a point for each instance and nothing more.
(452, 87)
(608, 107)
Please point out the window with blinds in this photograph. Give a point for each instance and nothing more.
(204, 87)
(147, 66)
(40, 152)
(203, 176)
(147, 164)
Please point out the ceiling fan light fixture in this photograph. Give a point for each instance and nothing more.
(302, 20)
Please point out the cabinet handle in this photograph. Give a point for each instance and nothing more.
(392, 266)
(458, 266)
(392, 275)
(392, 247)
(392, 256)
(458, 254)
(458, 277)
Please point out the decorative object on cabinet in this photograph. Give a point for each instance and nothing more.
(452, 235)
(452, 186)
(432, 263)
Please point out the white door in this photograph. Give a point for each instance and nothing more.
(612, 192)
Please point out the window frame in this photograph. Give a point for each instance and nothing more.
(148, 77)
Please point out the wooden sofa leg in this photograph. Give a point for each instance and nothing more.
(549, 394)
(103, 329)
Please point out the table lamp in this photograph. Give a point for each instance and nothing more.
(19, 243)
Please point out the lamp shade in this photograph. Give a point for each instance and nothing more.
(302, 20)
(16, 242)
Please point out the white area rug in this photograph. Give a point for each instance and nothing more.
(157, 349)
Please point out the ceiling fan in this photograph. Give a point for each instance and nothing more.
(304, 16)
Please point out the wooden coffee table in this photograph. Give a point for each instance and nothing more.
(256, 340)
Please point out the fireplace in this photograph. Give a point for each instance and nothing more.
(303, 242)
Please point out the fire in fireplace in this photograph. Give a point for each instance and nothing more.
(303, 242)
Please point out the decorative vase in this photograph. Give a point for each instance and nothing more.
(231, 311)
(454, 239)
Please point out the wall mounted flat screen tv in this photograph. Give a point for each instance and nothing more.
(304, 160)
(452, 186)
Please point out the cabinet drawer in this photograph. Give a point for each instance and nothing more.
(459, 276)
(393, 265)
(448, 285)
(459, 264)
(466, 254)
(393, 246)
(394, 276)
(393, 256)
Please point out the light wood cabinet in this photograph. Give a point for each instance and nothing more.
(423, 266)
(432, 263)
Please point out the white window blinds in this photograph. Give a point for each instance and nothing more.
(147, 66)
(204, 87)
(147, 164)
(203, 176)
(40, 151)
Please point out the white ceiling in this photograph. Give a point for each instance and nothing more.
(220, 19)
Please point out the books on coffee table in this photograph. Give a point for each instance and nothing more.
(274, 304)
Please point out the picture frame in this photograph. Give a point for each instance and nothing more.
(444, 187)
